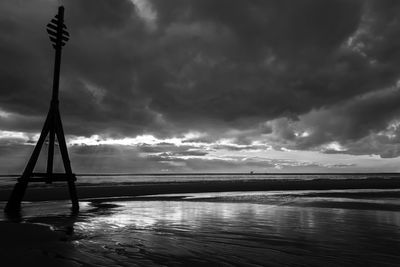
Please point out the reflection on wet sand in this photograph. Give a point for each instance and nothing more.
(182, 233)
(178, 232)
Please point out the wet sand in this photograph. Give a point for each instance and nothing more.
(25, 244)
(288, 228)
(320, 222)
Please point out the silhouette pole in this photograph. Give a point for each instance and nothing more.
(53, 128)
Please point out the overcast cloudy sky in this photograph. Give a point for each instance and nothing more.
(206, 85)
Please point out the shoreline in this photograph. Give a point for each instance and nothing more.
(155, 188)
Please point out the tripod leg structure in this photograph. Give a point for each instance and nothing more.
(53, 127)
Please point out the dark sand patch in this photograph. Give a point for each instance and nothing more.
(23, 244)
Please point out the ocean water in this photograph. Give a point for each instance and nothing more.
(286, 228)
(7, 181)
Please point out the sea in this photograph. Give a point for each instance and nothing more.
(8, 180)
(358, 227)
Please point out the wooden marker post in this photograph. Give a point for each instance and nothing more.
(53, 127)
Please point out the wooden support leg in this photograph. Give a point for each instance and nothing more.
(14, 202)
(50, 156)
(73, 195)
(35, 154)
(67, 163)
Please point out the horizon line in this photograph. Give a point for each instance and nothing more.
(224, 173)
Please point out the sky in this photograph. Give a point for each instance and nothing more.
(155, 86)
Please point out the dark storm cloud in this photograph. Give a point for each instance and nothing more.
(357, 118)
(211, 66)
(268, 58)
(97, 82)
(368, 124)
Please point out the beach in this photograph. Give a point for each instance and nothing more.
(205, 223)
